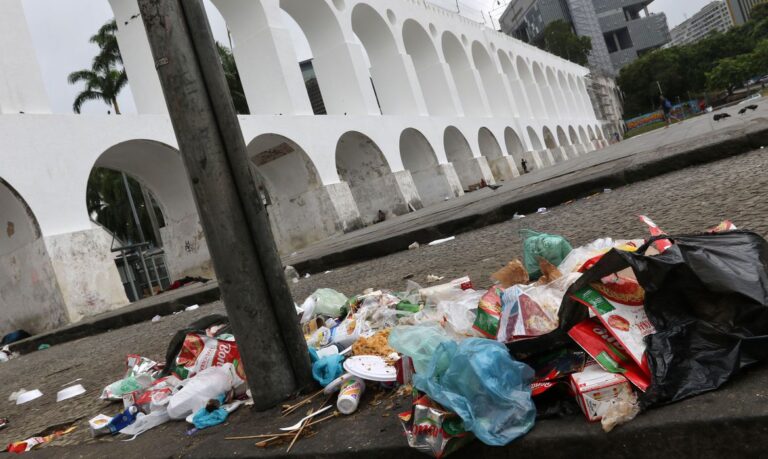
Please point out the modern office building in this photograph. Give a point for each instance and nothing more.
(621, 30)
(741, 10)
(714, 17)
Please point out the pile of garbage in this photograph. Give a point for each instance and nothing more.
(610, 328)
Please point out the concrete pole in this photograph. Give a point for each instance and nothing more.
(257, 298)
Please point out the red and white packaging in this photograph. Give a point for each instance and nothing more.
(608, 352)
(619, 304)
(595, 388)
(662, 244)
(200, 352)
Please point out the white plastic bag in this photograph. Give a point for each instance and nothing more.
(198, 390)
(458, 312)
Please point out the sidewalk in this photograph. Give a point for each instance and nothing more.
(693, 142)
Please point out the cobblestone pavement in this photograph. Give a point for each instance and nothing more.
(684, 201)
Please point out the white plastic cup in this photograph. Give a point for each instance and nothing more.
(350, 394)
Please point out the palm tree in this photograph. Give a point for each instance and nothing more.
(107, 77)
(101, 83)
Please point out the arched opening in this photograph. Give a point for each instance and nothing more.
(575, 92)
(490, 148)
(520, 106)
(591, 133)
(299, 209)
(516, 149)
(571, 99)
(138, 191)
(535, 140)
(583, 135)
(535, 97)
(472, 171)
(546, 91)
(492, 83)
(332, 62)
(599, 132)
(388, 72)
(562, 139)
(362, 165)
(463, 76)
(573, 135)
(549, 139)
(429, 69)
(585, 97)
(560, 103)
(419, 158)
(30, 297)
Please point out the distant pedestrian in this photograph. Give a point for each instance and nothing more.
(616, 137)
(666, 107)
(524, 163)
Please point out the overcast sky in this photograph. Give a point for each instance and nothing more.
(60, 31)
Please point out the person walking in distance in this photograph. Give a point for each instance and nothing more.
(666, 106)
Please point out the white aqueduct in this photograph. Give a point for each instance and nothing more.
(421, 104)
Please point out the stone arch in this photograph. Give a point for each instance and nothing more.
(531, 88)
(159, 169)
(520, 103)
(300, 209)
(362, 165)
(599, 132)
(491, 150)
(549, 139)
(463, 76)
(472, 171)
(420, 159)
(30, 297)
(535, 139)
(388, 71)
(336, 61)
(573, 108)
(582, 89)
(573, 136)
(516, 149)
(492, 82)
(591, 133)
(579, 101)
(562, 139)
(429, 69)
(557, 94)
(546, 92)
(583, 136)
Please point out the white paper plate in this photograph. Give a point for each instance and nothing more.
(371, 368)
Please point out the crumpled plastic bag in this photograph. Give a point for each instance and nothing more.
(323, 302)
(458, 312)
(551, 247)
(326, 369)
(490, 391)
(418, 342)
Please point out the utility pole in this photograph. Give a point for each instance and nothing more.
(253, 287)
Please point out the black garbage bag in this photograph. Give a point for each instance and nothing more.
(707, 297)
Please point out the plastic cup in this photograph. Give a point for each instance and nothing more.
(28, 396)
(350, 394)
(70, 392)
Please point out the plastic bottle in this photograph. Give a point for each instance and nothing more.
(350, 394)
(206, 385)
(118, 423)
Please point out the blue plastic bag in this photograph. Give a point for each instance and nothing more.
(326, 369)
(489, 390)
(417, 342)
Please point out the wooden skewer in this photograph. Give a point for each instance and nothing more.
(264, 443)
(298, 434)
(286, 434)
(291, 408)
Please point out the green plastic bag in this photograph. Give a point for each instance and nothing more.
(417, 342)
(550, 247)
(328, 302)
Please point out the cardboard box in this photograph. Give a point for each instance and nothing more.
(594, 388)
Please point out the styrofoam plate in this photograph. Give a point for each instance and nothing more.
(371, 368)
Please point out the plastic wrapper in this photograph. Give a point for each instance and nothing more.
(433, 430)
(550, 247)
(552, 367)
(489, 313)
(457, 312)
(532, 311)
(201, 351)
(581, 258)
(707, 297)
(323, 302)
(418, 342)
(154, 396)
(479, 381)
(139, 374)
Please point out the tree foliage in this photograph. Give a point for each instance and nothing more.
(233, 79)
(714, 63)
(559, 39)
